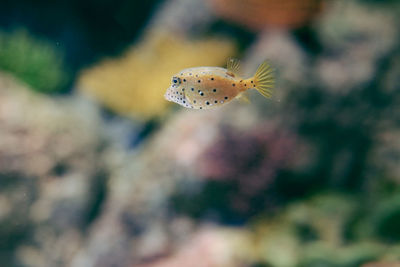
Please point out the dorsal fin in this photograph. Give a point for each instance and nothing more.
(233, 66)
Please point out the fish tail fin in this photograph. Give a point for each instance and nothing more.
(264, 79)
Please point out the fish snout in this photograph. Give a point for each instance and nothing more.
(168, 94)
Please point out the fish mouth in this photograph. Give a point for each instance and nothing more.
(169, 93)
(166, 92)
(167, 98)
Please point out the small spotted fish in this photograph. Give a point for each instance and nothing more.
(210, 87)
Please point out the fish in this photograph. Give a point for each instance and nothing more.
(211, 87)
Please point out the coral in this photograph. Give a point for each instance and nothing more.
(256, 154)
(312, 233)
(217, 247)
(243, 167)
(386, 219)
(140, 186)
(323, 217)
(34, 61)
(382, 264)
(142, 183)
(352, 115)
(386, 153)
(259, 14)
(183, 17)
(325, 255)
(134, 84)
(48, 172)
(349, 33)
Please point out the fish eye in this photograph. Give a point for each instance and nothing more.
(176, 80)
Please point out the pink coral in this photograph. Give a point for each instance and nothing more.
(208, 248)
(248, 160)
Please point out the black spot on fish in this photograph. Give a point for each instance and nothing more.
(194, 101)
(233, 84)
(199, 81)
(201, 107)
(214, 90)
(192, 89)
(208, 103)
(251, 81)
(184, 80)
(183, 89)
(226, 97)
(212, 79)
(216, 101)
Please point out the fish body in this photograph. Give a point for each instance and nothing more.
(210, 87)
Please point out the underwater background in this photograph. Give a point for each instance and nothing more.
(98, 169)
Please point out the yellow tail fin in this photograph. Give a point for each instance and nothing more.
(264, 80)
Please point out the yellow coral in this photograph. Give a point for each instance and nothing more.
(134, 84)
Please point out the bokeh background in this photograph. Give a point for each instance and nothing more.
(98, 169)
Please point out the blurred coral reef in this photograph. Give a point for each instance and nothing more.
(48, 174)
(110, 174)
(210, 247)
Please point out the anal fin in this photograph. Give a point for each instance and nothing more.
(243, 97)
